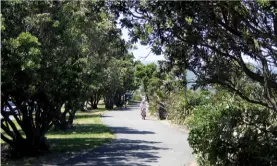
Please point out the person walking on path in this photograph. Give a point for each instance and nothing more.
(143, 108)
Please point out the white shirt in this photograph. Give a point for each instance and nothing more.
(143, 106)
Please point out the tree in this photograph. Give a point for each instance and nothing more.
(118, 79)
(146, 74)
(212, 39)
(230, 45)
(22, 82)
(127, 72)
(45, 59)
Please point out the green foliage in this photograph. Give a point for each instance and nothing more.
(147, 76)
(54, 54)
(188, 34)
(179, 109)
(136, 96)
(26, 50)
(233, 133)
(118, 79)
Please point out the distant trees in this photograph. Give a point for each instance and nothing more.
(146, 76)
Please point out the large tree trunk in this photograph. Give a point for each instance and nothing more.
(146, 94)
(109, 103)
(94, 100)
(63, 123)
(70, 119)
(119, 100)
(162, 111)
(83, 106)
(185, 82)
(147, 98)
(34, 129)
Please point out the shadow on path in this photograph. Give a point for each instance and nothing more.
(127, 150)
(126, 130)
(121, 152)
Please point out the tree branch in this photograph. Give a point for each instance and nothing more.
(248, 72)
(7, 129)
(4, 138)
(239, 93)
(255, 76)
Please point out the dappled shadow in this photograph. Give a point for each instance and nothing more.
(120, 152)
(62, 149)
(83, 129)
(105, 116)
(126, 130)
(79, 116)
(98, 129)
(75, 144)
(89, 109)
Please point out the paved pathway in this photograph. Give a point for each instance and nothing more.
(138, 143)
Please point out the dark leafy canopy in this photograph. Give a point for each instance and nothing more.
(212, 39)
(52, 53)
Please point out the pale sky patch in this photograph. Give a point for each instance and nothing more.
(142, 53)
(248, 59)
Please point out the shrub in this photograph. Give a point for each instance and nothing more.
(179, 109)
(154, 106)
(136, 98)
(233, 134)
(174, 106)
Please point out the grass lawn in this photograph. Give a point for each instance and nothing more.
(88, 133)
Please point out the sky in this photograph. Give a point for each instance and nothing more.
(142, 51)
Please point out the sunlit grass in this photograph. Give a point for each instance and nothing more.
(88, 132)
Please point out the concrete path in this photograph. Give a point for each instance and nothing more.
(138, 143)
